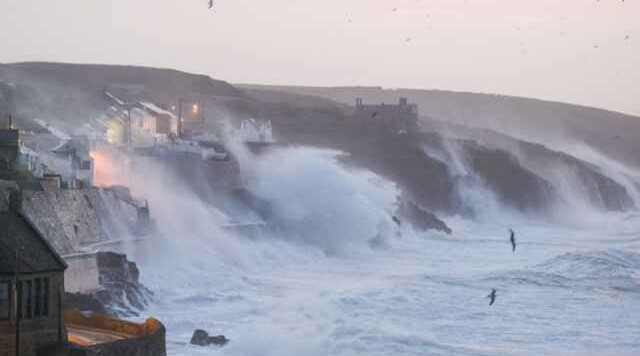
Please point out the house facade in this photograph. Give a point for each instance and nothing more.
(31, 282)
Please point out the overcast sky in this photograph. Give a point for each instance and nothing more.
(566, 50)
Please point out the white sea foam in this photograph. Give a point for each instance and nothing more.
(319, 288)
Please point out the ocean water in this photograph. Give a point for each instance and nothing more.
(344, 280)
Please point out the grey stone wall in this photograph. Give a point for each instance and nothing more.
(67, 218)
(151, 345)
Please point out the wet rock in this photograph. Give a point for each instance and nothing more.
(419, 218)
(121, 293)
(202, 338)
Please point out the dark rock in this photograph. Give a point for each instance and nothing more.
(219, 340)
(202, 338)
(419, 218)
(122, 294)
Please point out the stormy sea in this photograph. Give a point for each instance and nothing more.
(339, 276)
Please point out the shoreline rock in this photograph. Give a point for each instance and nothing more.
(201, 338)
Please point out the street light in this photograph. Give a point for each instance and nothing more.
(195, 108)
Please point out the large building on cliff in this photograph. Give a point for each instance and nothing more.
(387, 118)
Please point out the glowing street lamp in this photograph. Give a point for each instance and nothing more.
(195, 108)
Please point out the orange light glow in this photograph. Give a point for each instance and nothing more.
(105, 169)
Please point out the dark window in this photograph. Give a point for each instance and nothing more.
(5, 301)
(29, 298)
(45, 297)
(4, 291)
(37, 303)
(85, 165)
(20, 304)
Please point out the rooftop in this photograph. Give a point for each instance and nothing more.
(36, 255)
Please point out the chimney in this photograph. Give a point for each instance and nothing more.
(403, 101)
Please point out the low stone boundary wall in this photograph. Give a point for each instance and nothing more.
(147, 339)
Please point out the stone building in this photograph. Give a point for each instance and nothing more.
(73, 162)
(9, 147)
(151, 124)
(31, 282)
(387, 118)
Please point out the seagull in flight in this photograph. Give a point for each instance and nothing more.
(210, 4)
(512, 238)
(492, 295)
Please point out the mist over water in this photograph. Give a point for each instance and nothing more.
(317, 285)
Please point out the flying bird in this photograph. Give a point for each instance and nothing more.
(374, 114)
(395, 9)
(627, 37)
(512, 238)
(396, 220)
(492, 295)
(210, 4)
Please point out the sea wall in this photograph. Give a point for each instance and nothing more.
(66, 217)
(147, 339)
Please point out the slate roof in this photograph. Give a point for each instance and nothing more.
(36, 255)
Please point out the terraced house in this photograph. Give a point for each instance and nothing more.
(31, 282)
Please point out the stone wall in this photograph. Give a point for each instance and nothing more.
(147, 339)
(82, 275)
(67, 217)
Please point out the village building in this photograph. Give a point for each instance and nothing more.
(9, 146)
(387, 118)
(73, 162)
(31, 282)
(149, 124)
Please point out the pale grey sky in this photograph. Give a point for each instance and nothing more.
(565, 50)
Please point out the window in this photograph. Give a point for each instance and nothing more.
(4, 291)
(20, 304)
(5, 300)
(37, 311)
(29, 299)
(45, 297)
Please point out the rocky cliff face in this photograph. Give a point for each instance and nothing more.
(122, 294)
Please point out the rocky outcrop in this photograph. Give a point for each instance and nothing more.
(514, 185)
(122, 293)
(419, 218)
(202, 338)
(110, 279)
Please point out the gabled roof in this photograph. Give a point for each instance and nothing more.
(35, 255)
(156, 110)
(64, 147)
